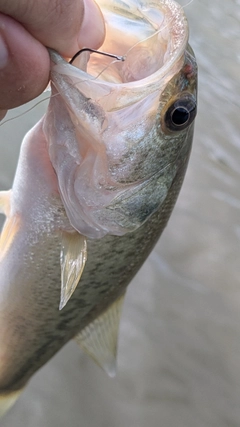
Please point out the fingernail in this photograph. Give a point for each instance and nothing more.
(92, 31)
(3, 53)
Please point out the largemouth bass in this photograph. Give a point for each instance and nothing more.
(96, 182)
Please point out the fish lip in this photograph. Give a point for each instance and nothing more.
(180, 27)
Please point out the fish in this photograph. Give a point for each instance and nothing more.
(96, 182)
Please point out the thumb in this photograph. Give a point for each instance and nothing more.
(24, 59)
(63, 25)
(24, 64)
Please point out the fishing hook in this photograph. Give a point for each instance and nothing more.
(119, 58)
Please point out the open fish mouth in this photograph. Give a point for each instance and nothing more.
(150, 36)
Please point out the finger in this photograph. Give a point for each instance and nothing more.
(24, 65)
(64, 25)
(92, 31)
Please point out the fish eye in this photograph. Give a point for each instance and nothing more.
(181, 113)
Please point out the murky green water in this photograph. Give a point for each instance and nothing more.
(179, 355)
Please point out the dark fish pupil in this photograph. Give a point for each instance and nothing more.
(181, 112)
(180, 116)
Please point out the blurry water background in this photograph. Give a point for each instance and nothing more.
(179, 349)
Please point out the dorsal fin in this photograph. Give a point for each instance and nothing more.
(5, 202)
(73, 258)
(99, 339)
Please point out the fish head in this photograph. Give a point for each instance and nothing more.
(117, 129)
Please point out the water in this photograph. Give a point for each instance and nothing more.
(179, 355)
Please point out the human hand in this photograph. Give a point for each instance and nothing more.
(26, 28)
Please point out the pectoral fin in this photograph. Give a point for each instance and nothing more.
(99, 339)
(6, 401)
(72, 259)
(8, 234)
(5, 202)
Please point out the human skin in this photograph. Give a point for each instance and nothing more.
(27, 27)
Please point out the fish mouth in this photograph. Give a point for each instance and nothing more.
(150, 36)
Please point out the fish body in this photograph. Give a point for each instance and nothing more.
(96, 182)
